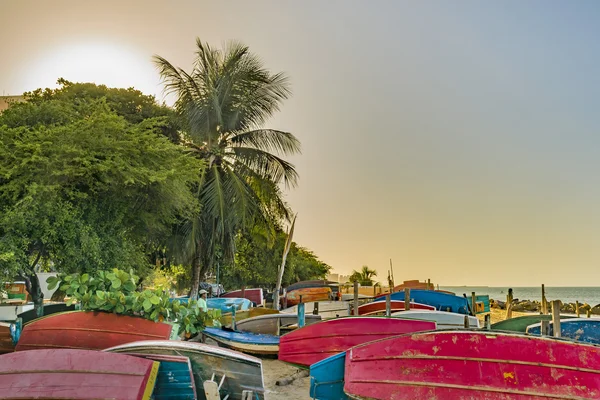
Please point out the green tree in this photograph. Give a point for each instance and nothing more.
(87, 185)
(364, 276)
(223, 104)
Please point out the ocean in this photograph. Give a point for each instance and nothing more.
(590, 295)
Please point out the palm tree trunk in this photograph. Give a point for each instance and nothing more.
(195, 277)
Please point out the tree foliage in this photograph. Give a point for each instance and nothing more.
(258, 258)
(223, 104)
(88, 181)
(364, 276)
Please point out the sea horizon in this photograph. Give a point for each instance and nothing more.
(567, 294)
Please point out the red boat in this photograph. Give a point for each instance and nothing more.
(472, 365)
(308, 295)
(378, 307)
(90, 331)
(255, 295)
(76, 374)
(316, 342)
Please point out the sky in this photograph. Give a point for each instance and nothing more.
(458, 139)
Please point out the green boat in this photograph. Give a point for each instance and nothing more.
(520, 324)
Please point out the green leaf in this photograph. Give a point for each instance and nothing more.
(85, 277)
(116, 283)
(147, 305)
(155, 299)
(119, 308)
(100, 294)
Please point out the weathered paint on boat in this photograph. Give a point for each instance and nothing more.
(327, 309)
(465, 365)
(275, 324)
(443, 319)
(308, 295)
(520, 324)
(580, 329)
(441, 301)
(246, 342)
(310, 284)
(242, 372)
(255, 295)
(76, 375)
(316, 342)
(327, 378)
(90, 330)
(378, 307)
(7, 344)
(249, 313)
(225, 304)
(175, 379)
(49, 309)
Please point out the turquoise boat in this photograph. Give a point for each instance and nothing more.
(226, 304)
(483, 303)
(327, 378)
(246, 342)
(441, 301)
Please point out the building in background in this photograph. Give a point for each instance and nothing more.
(5, 101)
(338, 278)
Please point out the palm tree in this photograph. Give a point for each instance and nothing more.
(364, 277)
(223, 104)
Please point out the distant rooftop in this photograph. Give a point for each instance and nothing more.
(6, 100)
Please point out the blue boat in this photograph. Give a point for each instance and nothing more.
(327, 378)
(225, 304)
(441, 301)
(246, 342)
(175, 380)
(483, 303)
(579, 329)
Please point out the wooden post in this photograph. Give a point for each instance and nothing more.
(284, 299)
(509, 306)
(429, 284)
(467, 322)
(577, 308)
(316, 308)
(556, 318)
(487, 321)
(473, 304)
(406, 299)
(301, 316)
(244, 292)
(233, 317)
(388, 305)
(544, 302)
(355, 297)
(545, 330)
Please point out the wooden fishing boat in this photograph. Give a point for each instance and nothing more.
(441, 301)
(90, 330)
(75, 374)
(246, 342)
(226, 304)
(255, 295)
(7, 344)
(379, 307)
(520, 324)
(49, 309)
(241, 371)
(310, 284)
(443, 319)
(308, 295)
(326, 309)
(472, 365)
(327, 378)
(316, 342)
(275, 324)
(249, 313)
(175, 379)
(580, 329)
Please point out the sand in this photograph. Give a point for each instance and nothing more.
(274, 370)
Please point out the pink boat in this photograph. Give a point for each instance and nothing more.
(255, 295)
(316, 342)
(378, 307)
(472, 365)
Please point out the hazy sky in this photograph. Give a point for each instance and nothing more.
(459, 138)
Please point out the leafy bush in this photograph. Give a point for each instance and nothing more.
(115, 291)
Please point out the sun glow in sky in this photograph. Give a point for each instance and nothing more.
(460, 139)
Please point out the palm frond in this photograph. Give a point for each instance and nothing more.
(269, 140)
(265, 164)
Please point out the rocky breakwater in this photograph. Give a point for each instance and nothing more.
(536, 306)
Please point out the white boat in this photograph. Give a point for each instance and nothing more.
(326, 309)
(443, 319)
(9, 312)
